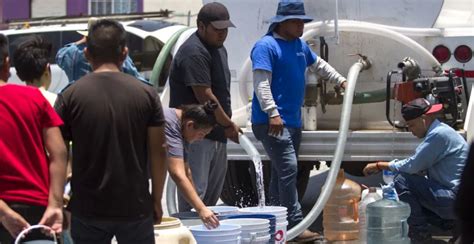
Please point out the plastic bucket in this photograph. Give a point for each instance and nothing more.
(222, 210)
(270, 217)
(40, 240)
(188, 218)
(219, 241)
(251, 226)
(280, 232)
(224, 234)
(256, 240)
(281, 223)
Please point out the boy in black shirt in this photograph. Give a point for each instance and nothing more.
(116, 124)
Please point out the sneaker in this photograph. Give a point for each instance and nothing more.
(420, 237)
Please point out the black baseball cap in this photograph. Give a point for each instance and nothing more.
(216, 14)
(418, 107)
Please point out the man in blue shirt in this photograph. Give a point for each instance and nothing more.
(280, 60)
(72, 60)
(428, 180)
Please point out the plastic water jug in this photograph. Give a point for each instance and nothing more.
(171, 231)
(371, 197)
(340, 216)
(387, 219)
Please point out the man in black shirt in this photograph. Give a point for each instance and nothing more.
(199, 73)
(116, 125)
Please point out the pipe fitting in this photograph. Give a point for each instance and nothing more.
(366, 64)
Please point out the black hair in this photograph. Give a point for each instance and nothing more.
(106, 41)
(31, 57)
(202, 114)
(3, 49)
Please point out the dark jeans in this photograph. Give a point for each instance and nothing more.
(427, 198)
(282, 151)
(86, 231)
(32, 214)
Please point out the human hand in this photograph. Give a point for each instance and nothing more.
(232, 132)
(158, 212)
(371, 169)
(343, 85)
(13, 222)
(209, 219)
(275, 126)
(53, 217)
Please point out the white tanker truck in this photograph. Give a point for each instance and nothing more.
(436, 35)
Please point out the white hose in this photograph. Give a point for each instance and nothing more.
(338, 154)
(378, 30)
(20, 236)
(398, 34)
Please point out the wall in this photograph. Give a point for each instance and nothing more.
(42, 8)
(15, 9)
(80, 7)
(180, 9)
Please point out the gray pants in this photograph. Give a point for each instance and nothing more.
(208, 162)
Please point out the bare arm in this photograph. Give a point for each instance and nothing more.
(204, 94)
(11, 220)
(374, 168)
(178, 170)
(157, 154)
(54, 144)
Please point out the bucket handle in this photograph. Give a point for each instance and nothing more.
(22, 233)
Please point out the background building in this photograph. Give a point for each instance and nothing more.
(26, 9)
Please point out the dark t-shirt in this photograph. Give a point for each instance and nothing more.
(196, 64)
(106, 115)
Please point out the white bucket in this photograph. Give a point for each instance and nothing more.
(256, 240)
(280, 232)
(222, 210)
(224, 234)
(205, 240)
(281, 221)
(33, 227)
(251, 226)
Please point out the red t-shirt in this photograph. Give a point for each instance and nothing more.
(24, 166)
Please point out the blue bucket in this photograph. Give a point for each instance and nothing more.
(270, 217)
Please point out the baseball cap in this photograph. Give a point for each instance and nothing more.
(418, 107)
(216, 14)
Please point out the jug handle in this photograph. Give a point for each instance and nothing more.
(355, 209)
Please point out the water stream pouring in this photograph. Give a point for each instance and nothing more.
(250, 149)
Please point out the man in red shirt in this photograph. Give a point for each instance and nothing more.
(31, 181)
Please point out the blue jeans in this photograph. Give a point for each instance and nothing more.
(86, 231)
(283, 153)
(427, 199)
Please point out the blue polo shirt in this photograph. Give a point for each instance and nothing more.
(287, 60)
